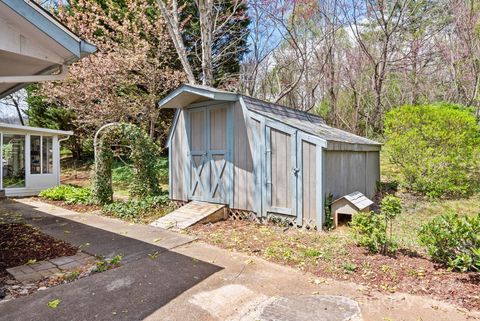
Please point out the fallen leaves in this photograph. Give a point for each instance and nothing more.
(54, 303)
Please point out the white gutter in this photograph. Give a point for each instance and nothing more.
(34, 78)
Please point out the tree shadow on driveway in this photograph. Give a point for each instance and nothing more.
(133, 291)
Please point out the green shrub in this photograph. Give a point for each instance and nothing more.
(162, 169)
(369, 230)
(135, 208)
(375, 231)
(328, 225)
(435, 148)
(454, 241)
(69, 194)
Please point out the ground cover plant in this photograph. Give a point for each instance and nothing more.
(145, 210)
(71, 195)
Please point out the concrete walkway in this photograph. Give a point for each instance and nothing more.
(189, 280)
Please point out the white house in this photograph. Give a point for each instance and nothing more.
(34, 47)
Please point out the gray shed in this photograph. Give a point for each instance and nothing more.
(262, 157)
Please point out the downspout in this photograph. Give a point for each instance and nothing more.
(58, 161)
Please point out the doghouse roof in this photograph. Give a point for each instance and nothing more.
(357, 199)
(309, 123)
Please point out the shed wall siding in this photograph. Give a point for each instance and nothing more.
(349, 171)
(178, 146)
(244, 185)
(309, 175)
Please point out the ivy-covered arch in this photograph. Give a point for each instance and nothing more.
(144, 154)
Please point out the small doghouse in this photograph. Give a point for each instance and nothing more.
(345, 207)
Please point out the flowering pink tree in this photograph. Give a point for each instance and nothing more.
(134, 67)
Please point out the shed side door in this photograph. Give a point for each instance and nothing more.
(310, 194)
(281, 169)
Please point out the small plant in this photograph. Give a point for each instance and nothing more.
(375, 231)
(349, 267)
(454, 241)
(72, 276)
(69, 194)
(311, 252)
(107, 264)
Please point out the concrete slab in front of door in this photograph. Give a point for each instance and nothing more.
(192, 213)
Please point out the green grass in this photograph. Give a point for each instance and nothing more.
(418, 210)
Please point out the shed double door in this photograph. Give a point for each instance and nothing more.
(293, 166)
(209, 154)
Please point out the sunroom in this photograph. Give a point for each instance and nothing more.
(30, 158)
(34, 47)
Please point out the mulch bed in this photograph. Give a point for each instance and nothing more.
(342, 260)
(406, 272)
(21, 243)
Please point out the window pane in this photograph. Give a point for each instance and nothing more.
(47, 155)
(13, 161)
(35, 154)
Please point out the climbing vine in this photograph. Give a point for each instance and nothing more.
(144, 154)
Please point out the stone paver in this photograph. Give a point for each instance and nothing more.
(307, 308)
(43, 269)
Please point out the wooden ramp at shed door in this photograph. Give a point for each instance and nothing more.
(190, 214)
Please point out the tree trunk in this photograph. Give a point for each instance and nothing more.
(205, 8)
(173, 26)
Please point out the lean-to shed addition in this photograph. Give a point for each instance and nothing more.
(261, 157)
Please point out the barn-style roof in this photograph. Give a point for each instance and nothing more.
(309, 123)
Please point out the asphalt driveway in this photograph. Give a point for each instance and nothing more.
(143, 284)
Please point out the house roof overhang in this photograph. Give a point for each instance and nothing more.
(34, 44)
(188, 94)
(36, 130)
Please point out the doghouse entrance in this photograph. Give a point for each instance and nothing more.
(343, 219)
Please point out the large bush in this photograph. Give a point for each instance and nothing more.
(453, 241)
(435, 148)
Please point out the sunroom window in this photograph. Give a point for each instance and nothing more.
(47, 155)
(41, 155)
